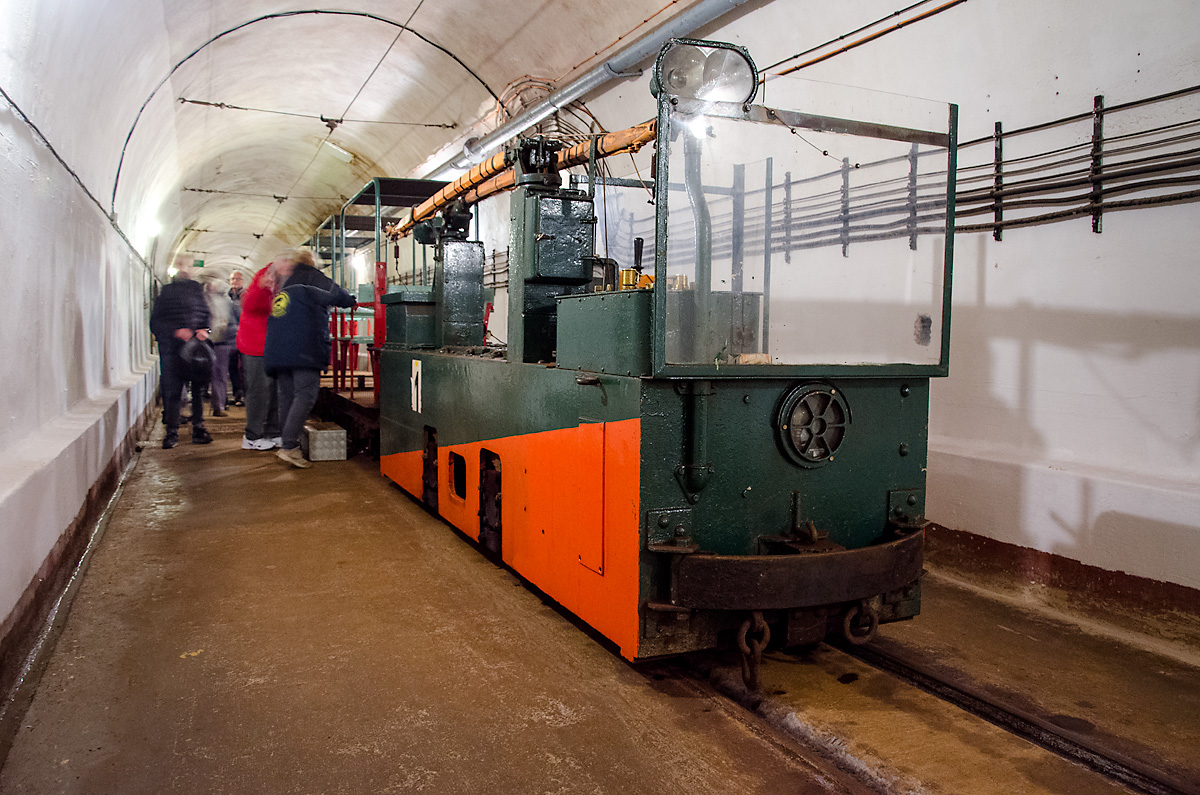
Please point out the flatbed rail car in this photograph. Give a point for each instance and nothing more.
(725, 444)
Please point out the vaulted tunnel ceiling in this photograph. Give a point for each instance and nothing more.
(228, 156)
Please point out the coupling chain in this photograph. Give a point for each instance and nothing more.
(751, 647)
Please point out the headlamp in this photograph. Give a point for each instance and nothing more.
(707, 70)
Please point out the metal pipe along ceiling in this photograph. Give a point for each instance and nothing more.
(698, 15)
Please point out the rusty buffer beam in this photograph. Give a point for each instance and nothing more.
(495, 174)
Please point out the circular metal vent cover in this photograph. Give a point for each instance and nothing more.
(812, 423)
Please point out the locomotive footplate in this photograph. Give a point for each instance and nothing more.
(781, 582)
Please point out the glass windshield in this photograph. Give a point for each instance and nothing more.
(810, 229)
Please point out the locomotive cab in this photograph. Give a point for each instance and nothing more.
(714, 429)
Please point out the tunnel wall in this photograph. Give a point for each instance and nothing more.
(78, 378)
(1070, 422)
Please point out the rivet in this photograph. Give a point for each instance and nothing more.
(663, 520)
(912, 499)
(904, 449)
(905, 390)
(745, 398)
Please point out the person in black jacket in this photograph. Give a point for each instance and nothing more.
(179, 314)
(298, 345)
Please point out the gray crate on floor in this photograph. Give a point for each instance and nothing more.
(323, 441)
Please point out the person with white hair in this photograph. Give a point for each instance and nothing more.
(237, 287)
(222, 336)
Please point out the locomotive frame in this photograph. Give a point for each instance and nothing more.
(671, 502)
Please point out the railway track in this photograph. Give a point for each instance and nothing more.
(1090, 752)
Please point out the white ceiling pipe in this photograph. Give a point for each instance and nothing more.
(697, 16)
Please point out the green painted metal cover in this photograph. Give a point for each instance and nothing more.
(606, 332)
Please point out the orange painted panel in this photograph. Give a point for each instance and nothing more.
(579, 484)
(405, 470)
(570, 515)
(462, 512)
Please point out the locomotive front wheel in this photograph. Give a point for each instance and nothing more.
(859, 624)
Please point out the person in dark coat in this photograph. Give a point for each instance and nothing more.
(179, 314)
(298, 345)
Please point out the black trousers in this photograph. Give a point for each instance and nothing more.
(235, 374)
(174, 376)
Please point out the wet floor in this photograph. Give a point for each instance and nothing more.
(249, 627)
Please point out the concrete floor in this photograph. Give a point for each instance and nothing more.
(246, 627)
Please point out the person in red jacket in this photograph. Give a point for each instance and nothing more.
(262, 414)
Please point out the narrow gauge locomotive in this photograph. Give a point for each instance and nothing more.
(725, 444)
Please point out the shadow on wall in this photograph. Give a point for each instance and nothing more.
(1114, 397)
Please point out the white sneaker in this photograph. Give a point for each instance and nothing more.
(257, 444)
(277, 441)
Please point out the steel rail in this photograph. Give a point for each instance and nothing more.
(1134, 773)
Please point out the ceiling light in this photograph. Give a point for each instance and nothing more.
(339, 152)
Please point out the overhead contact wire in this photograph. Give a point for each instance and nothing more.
(264, 18)
(349, 105)
(229, 106)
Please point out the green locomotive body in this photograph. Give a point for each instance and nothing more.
(734, 445)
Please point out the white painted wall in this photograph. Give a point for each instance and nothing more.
(1070, 422)
(75, 369)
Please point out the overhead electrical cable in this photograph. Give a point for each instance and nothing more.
(846, 35)
(254, 195)
(75, 176)
(265, 18)
(229, 106)
(379, 63)
(867, 39)
(350, 104)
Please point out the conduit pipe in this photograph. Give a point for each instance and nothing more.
(494, 174)
(620, 65)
